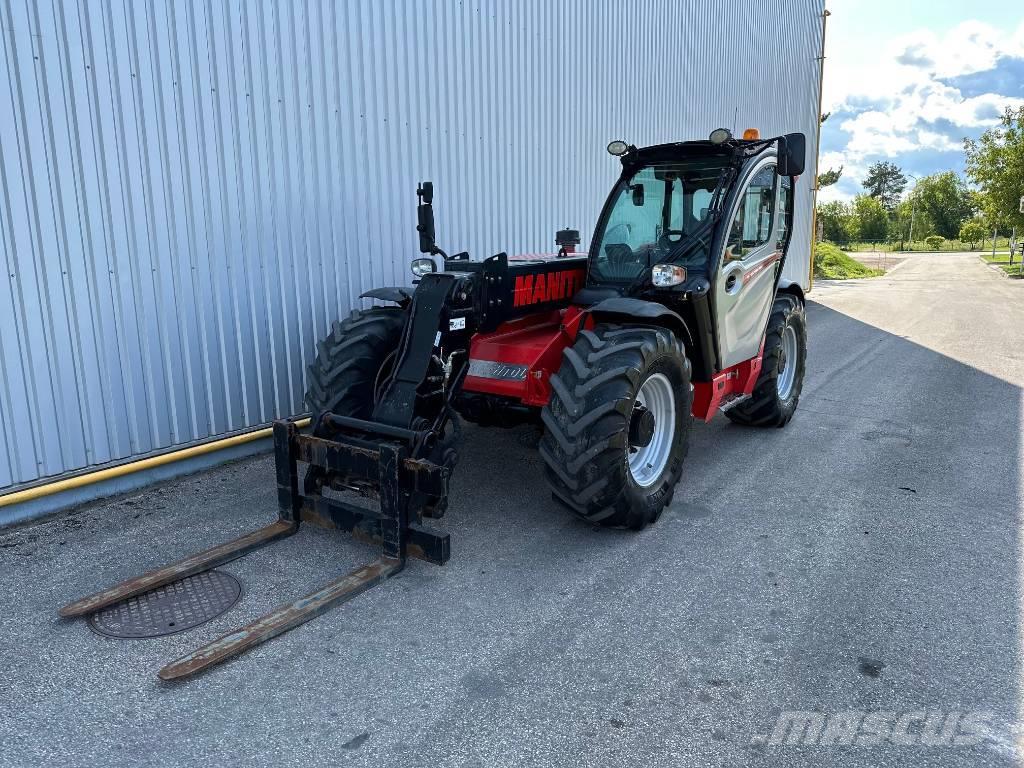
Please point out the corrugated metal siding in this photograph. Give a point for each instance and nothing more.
(192, 191)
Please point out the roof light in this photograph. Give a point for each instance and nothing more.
(618, 148)
(667, 275)
(751, 134)
(720, 136)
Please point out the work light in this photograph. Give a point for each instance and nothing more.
(421, 267)
(618, 148)
(720, 136)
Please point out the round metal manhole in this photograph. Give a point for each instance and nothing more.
(175, 607)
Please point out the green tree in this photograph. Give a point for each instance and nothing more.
(837, 221)
(946, 202)
(935, 241)
(899, 223)
(829, 177)
(885, 182)
(871, 221)
(972, 232)
(995, 162)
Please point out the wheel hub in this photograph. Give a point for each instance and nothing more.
(641, 427)
(652, 428)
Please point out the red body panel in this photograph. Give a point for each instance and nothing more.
(738, 380)
(537, 342)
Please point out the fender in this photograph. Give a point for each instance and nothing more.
(398, 295)
(792, 288)
(626, 309)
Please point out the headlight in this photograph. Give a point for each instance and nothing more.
(667, 275)
(421, 267)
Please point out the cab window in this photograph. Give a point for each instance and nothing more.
(653, 214)
(752, 226)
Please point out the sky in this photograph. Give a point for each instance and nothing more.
(908, 80)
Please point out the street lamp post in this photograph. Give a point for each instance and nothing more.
(913, 210)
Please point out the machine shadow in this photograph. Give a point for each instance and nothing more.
(887, 514)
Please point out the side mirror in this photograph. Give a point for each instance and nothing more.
(425, 217)
(638, 194)
(792, 154)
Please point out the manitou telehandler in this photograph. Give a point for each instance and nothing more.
(677, 310)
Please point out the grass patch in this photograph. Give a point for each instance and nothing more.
(1002, 260)
(830, 263)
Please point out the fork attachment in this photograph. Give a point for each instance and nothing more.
(361, 454)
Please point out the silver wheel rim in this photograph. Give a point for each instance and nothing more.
(787, 374)
(646, 464)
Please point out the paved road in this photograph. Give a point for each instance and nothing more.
(883, 260)
(866, 558)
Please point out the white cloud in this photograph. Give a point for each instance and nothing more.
(892, 101)
(969, 47)
(912, 61)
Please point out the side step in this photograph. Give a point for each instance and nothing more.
(384, 464)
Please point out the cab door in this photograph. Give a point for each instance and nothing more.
(745, 286)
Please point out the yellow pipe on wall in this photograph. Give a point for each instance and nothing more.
(817, 153)
(121, 470)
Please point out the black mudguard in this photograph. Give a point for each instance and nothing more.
(624, 309)
(401, 296)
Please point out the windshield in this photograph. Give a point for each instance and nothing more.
(654, 214)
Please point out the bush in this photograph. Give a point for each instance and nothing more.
(935, 241)
(830, 263)
(972, 232)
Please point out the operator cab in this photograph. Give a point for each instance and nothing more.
(700, 228)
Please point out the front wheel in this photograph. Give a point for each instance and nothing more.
(777, 391)
(617, 427)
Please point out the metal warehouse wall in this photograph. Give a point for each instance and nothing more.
(193, 191)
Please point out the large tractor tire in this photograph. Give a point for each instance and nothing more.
(777, 391)
(352, 361)
(617, 426)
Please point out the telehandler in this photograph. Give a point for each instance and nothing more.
(677, 310)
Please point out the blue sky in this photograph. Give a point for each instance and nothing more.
(907, 80)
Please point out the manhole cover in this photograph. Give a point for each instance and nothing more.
(173, 608)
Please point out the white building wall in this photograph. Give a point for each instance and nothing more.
(191, 191)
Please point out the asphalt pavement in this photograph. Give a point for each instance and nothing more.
(861, 563)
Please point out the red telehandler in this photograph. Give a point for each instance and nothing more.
(678, 310)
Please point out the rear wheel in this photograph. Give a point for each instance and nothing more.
(352, 362)
(777, 391)
(617, 427)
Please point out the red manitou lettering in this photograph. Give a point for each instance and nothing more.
(523, 292)
(540, 290)
(556, 286)
(572, 280)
